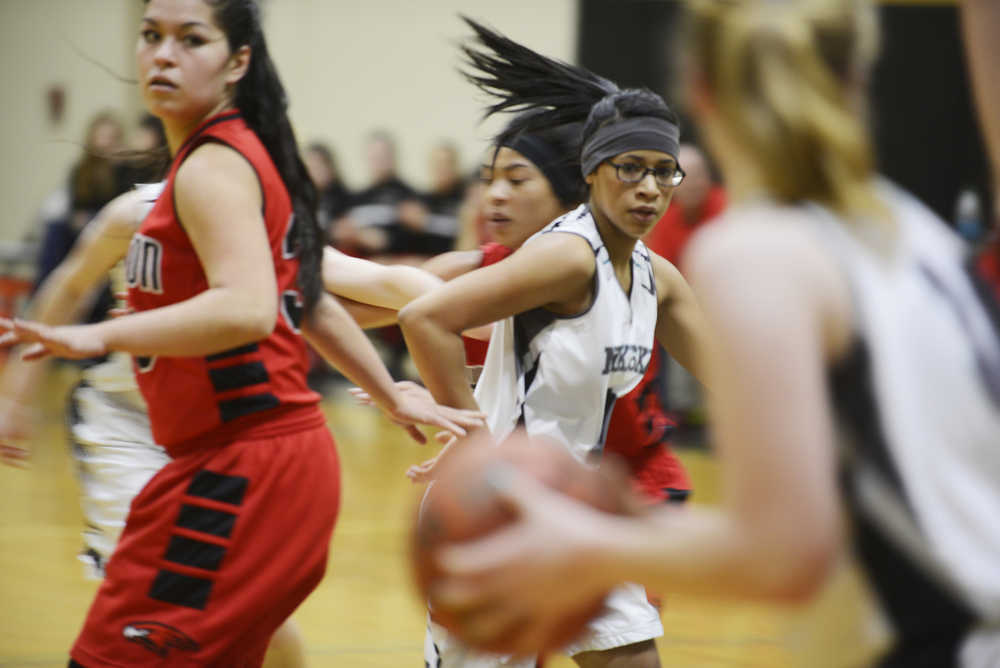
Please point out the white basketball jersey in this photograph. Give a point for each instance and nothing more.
(115, 375)
(112, 442)
(559, 375)
(918, 404)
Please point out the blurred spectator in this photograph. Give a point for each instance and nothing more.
(96, 178)
(432, 220)
(147, 156)
(371, 228)
(472, 229)
(696, 201)
(333, 200)
(333, 197)
(372, 225)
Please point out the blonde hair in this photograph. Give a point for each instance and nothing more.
(783, 74)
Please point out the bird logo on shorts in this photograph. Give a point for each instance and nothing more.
(159, 638)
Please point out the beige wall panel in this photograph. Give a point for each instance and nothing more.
(351, 67)
(56, 42)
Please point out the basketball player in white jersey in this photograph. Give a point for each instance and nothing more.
(578, 304)
(847, 337)
(112, 444)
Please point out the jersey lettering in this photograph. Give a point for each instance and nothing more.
(292, 309)
(628, 357)
(144, 264)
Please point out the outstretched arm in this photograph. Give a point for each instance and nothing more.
(373, 293)
(218, 199)
(554, 271)
(335, 335)
(385, 285)
(63, 298)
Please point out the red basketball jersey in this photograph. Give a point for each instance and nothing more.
(226, 392)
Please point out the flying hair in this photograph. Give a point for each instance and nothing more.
(520, 79)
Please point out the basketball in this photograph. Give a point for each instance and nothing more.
(462, 505)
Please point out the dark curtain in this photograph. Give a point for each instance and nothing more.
(926, 134)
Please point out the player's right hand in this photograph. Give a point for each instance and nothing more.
(68, 341)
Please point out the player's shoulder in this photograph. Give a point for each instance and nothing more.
(771, 259)
(753, 239)
(214, 173)
(213, 163)
(562, 250)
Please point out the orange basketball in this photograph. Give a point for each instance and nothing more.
(461, 505)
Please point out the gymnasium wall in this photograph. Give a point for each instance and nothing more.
(349, 67)
(41, 45)
(352, 67)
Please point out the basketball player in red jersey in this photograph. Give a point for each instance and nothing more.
(221, 274)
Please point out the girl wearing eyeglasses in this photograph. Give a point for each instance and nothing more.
(578, 305)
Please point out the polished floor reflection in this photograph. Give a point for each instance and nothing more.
(365, 613)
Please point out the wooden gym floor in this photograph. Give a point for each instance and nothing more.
(365, 613)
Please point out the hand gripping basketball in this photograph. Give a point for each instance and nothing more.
(466, 506)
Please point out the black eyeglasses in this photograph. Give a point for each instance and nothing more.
(633, 172)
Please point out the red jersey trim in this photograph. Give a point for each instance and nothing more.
(207, 123)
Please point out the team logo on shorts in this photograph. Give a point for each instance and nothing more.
(159, 638)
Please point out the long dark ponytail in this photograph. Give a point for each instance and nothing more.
(519, 79)
(261, 99)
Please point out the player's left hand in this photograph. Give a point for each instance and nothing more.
(412, 408)
(536, 569)
(424, 471)
(70, 341)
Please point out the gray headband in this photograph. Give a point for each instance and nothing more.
(641, 133)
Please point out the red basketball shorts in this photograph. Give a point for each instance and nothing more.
(219, 548)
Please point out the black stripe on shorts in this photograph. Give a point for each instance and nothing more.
(218, 487)
(195, 553)
(178, 589)
(206, 520)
